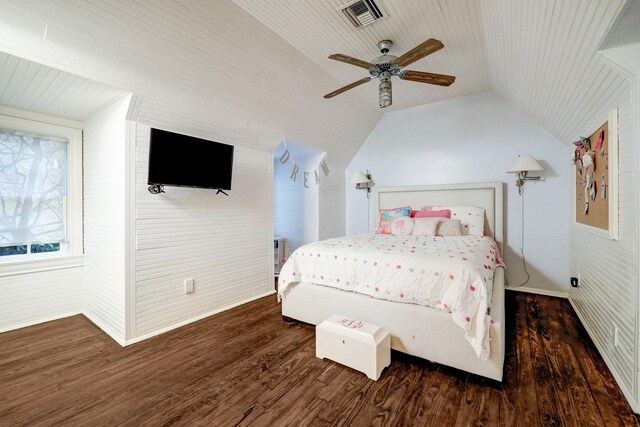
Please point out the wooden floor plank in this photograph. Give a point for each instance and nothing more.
(551, 410)
(522, 386)
(246, 366)
(478, 406)
(339, 394)
(602, 387)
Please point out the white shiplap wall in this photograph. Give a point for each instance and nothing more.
(224, 243)
(608, 290)
(104, 218)
(199, 65)
(211, 70)
(27, 299)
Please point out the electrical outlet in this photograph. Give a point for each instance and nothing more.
(615, 335)
(188, 286)
(574, 282)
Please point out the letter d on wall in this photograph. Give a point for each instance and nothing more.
(285, 157)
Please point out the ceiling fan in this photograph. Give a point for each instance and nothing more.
(386, 66)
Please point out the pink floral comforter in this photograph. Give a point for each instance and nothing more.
(449, 273)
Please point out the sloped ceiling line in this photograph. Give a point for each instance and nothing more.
(544, 60)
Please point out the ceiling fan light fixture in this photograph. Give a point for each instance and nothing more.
(384, 92)
(386, 66)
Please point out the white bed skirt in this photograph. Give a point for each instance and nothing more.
(417, 330)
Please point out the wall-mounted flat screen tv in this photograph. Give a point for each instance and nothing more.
(185, 161)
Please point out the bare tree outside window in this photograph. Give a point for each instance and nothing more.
(32, 188)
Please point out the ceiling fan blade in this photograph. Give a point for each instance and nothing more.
(347, 87)
(424, 77)
(419, 52)
(351, 60)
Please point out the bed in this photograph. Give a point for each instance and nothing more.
(419, 330)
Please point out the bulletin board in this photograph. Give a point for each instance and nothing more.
(591, 160)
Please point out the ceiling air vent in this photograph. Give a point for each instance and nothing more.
(362, 13)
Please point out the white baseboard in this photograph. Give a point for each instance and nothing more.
(537, 291)
(105, 328)
(38, 321)
(194, 319)
(628, 394)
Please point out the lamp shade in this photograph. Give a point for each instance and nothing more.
(359, 178)
(525, 163)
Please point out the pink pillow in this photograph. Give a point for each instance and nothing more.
(449, 227)
(444, 213)
(402, 226)
(412, 214)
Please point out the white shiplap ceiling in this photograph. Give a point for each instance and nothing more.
(543, 59)
(30, 86)
(541, 55)
(252, 68)
(318, 29)
(202, 67)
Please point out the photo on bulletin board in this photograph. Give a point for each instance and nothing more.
(595, 161)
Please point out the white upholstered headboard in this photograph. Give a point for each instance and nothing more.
(487, 195)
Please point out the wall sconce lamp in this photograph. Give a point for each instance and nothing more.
(362, 181)
(522, 166)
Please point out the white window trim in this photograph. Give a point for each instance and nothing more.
(73, 207)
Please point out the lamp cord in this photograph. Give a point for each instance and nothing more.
(368, 214)
(524, 262)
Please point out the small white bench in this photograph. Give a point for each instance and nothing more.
(353, 343)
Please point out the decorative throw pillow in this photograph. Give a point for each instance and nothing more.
(420, 209)
(425, 226)
(443, 213)
(472, 219)
(449, 227)
(388, 215)
(402, 226)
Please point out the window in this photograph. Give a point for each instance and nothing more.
(40, 190)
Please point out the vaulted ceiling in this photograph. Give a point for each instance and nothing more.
(541, 55)
(319, 28)
(256, 70)
(543, 58)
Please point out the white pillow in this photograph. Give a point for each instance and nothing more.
(425, 226)
(402, 226)
(471, 219)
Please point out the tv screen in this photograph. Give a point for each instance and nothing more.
(186, 161)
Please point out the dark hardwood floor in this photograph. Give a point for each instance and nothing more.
(248, 367)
